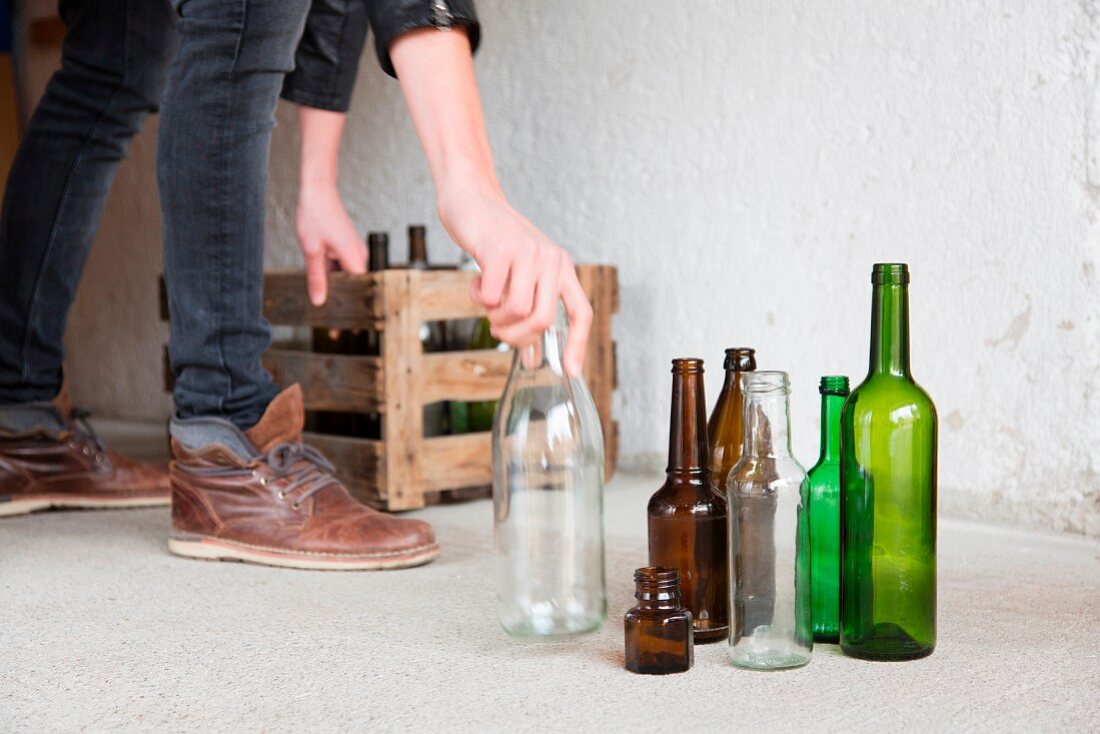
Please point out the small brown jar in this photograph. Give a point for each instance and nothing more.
(658, 629)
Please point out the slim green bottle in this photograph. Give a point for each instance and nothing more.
(824, 480)
(888, 503)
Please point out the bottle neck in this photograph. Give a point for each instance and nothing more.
(546, 352)
(687, 442)
(890, 330)
(657, 587)
(831, 406)
(767, 421)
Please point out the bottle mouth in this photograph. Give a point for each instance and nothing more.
(766, 383)
(687, 365)
(834, 385)
(890, 274)
(742, 359)
(658, 578)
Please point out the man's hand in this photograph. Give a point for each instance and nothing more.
(327, 237)
(523, 273)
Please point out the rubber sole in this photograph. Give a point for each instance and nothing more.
(213, 549)
(39, 503)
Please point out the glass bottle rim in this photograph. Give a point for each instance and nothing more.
(765, 383)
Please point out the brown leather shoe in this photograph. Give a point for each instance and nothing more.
(60, 463)
(263, 496)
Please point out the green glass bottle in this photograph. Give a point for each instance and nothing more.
(824, 479)
(888, 502)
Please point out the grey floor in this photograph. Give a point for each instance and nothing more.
(104, 630)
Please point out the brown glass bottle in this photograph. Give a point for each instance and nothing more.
(724, 427)
(687, 519)
(433, 334)
(658, 628)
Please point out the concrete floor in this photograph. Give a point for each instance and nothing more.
(104, 630)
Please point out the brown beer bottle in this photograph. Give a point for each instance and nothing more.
(725, 427)
(658, 628)
(687, 519)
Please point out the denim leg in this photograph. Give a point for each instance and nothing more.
(215, 132)
(114, 60)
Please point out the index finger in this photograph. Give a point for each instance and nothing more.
(579, 311)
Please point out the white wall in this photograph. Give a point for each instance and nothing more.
(744, 163)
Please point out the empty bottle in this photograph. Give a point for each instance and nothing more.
(769, 535)
(687, 519)
(824, 479)
(724, 427)
(433, 334)
(658, 628)
(548, 496)
(888, 485)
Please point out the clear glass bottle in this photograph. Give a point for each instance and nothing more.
(769, 535)
(824, 478)
(888, 485)
(548, 497)
(658, 628)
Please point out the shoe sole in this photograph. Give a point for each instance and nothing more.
(38, 503)
(213, 549)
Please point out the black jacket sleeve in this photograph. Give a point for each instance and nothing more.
(390, 18)
(327, 59)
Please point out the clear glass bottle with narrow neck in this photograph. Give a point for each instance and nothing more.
(824, 477)
(658, 628)
(769, 535)
(724, 427)
(888, 485)
(687, 518)
(548, 497)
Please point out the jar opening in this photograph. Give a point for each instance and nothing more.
(766, 383)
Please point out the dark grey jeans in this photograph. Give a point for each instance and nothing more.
(215, 131)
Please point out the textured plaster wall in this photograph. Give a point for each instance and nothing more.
(744, 164)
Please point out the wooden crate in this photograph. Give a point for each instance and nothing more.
(405, 470)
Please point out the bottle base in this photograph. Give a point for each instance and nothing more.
(706, 637)
(549, 627)
(766, 660)
(827, 638)
(887, 642)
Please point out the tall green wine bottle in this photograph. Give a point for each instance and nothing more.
(888, 503)
(824, 480)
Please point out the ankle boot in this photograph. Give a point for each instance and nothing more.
(262, 496)
(51, 458)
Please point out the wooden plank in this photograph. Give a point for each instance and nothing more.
(330, 381)
(402, 486)
(470, 375)
(600, 282)
(450, 462)
(354, 301)
(445, 296)
(358, 462)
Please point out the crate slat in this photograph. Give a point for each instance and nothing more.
(449, 462)
(403, 428)
(354, 301)
(444, 295)
(467, 376)
(330, 381)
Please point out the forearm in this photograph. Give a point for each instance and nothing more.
(437, 78)
(319, 133)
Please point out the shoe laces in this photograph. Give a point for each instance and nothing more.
(80, 415)
(306, 467)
